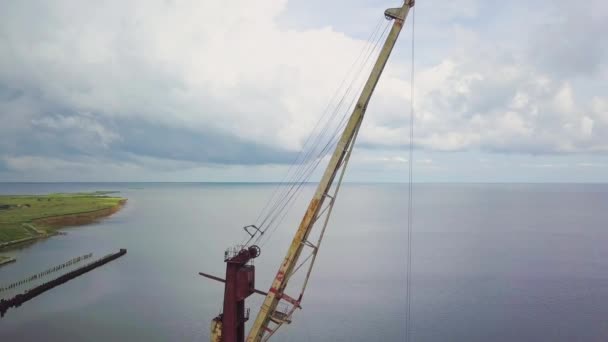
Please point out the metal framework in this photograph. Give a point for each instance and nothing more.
(229, 326)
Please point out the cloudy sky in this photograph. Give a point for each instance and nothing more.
(229, 90)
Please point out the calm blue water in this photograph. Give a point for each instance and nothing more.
(491, 263)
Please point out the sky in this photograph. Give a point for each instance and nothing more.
(504, 91)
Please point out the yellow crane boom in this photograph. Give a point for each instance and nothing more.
(268, 314)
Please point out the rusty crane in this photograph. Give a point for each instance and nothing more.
(229, 326)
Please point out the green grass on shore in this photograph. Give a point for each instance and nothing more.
(17, 213)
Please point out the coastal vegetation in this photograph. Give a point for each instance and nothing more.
(28, 217)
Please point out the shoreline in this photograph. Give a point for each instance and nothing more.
(5, 260)
(47, 227)
(78, 219)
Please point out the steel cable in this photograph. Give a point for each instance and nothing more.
(305, 149)
(410, 211)
(308, 149)
(334, 138)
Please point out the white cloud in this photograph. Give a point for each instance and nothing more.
(81, 76)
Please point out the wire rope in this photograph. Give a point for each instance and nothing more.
(296, 185)
(330, 143)
(410, 211)
(308, 148)
(304, 149)
(307, 153)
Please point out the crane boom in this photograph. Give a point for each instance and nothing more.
(268, 312)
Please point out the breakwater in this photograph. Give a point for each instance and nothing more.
(46, 272)
(6, 260)
(19, 299)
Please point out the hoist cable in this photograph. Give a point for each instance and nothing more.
(331, 143)
(310, 153)
(308, 169)
(308, 148)
(410, 211)
(297, 160)
(306, 166)
(301, 162)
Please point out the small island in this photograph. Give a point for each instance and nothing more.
(24, 218)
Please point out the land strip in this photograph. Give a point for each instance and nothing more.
(30, 217)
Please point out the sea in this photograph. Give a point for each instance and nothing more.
(490, 262)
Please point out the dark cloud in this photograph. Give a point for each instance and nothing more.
(74, 135)
(165, 142)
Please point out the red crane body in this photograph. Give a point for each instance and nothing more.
(239, 284)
